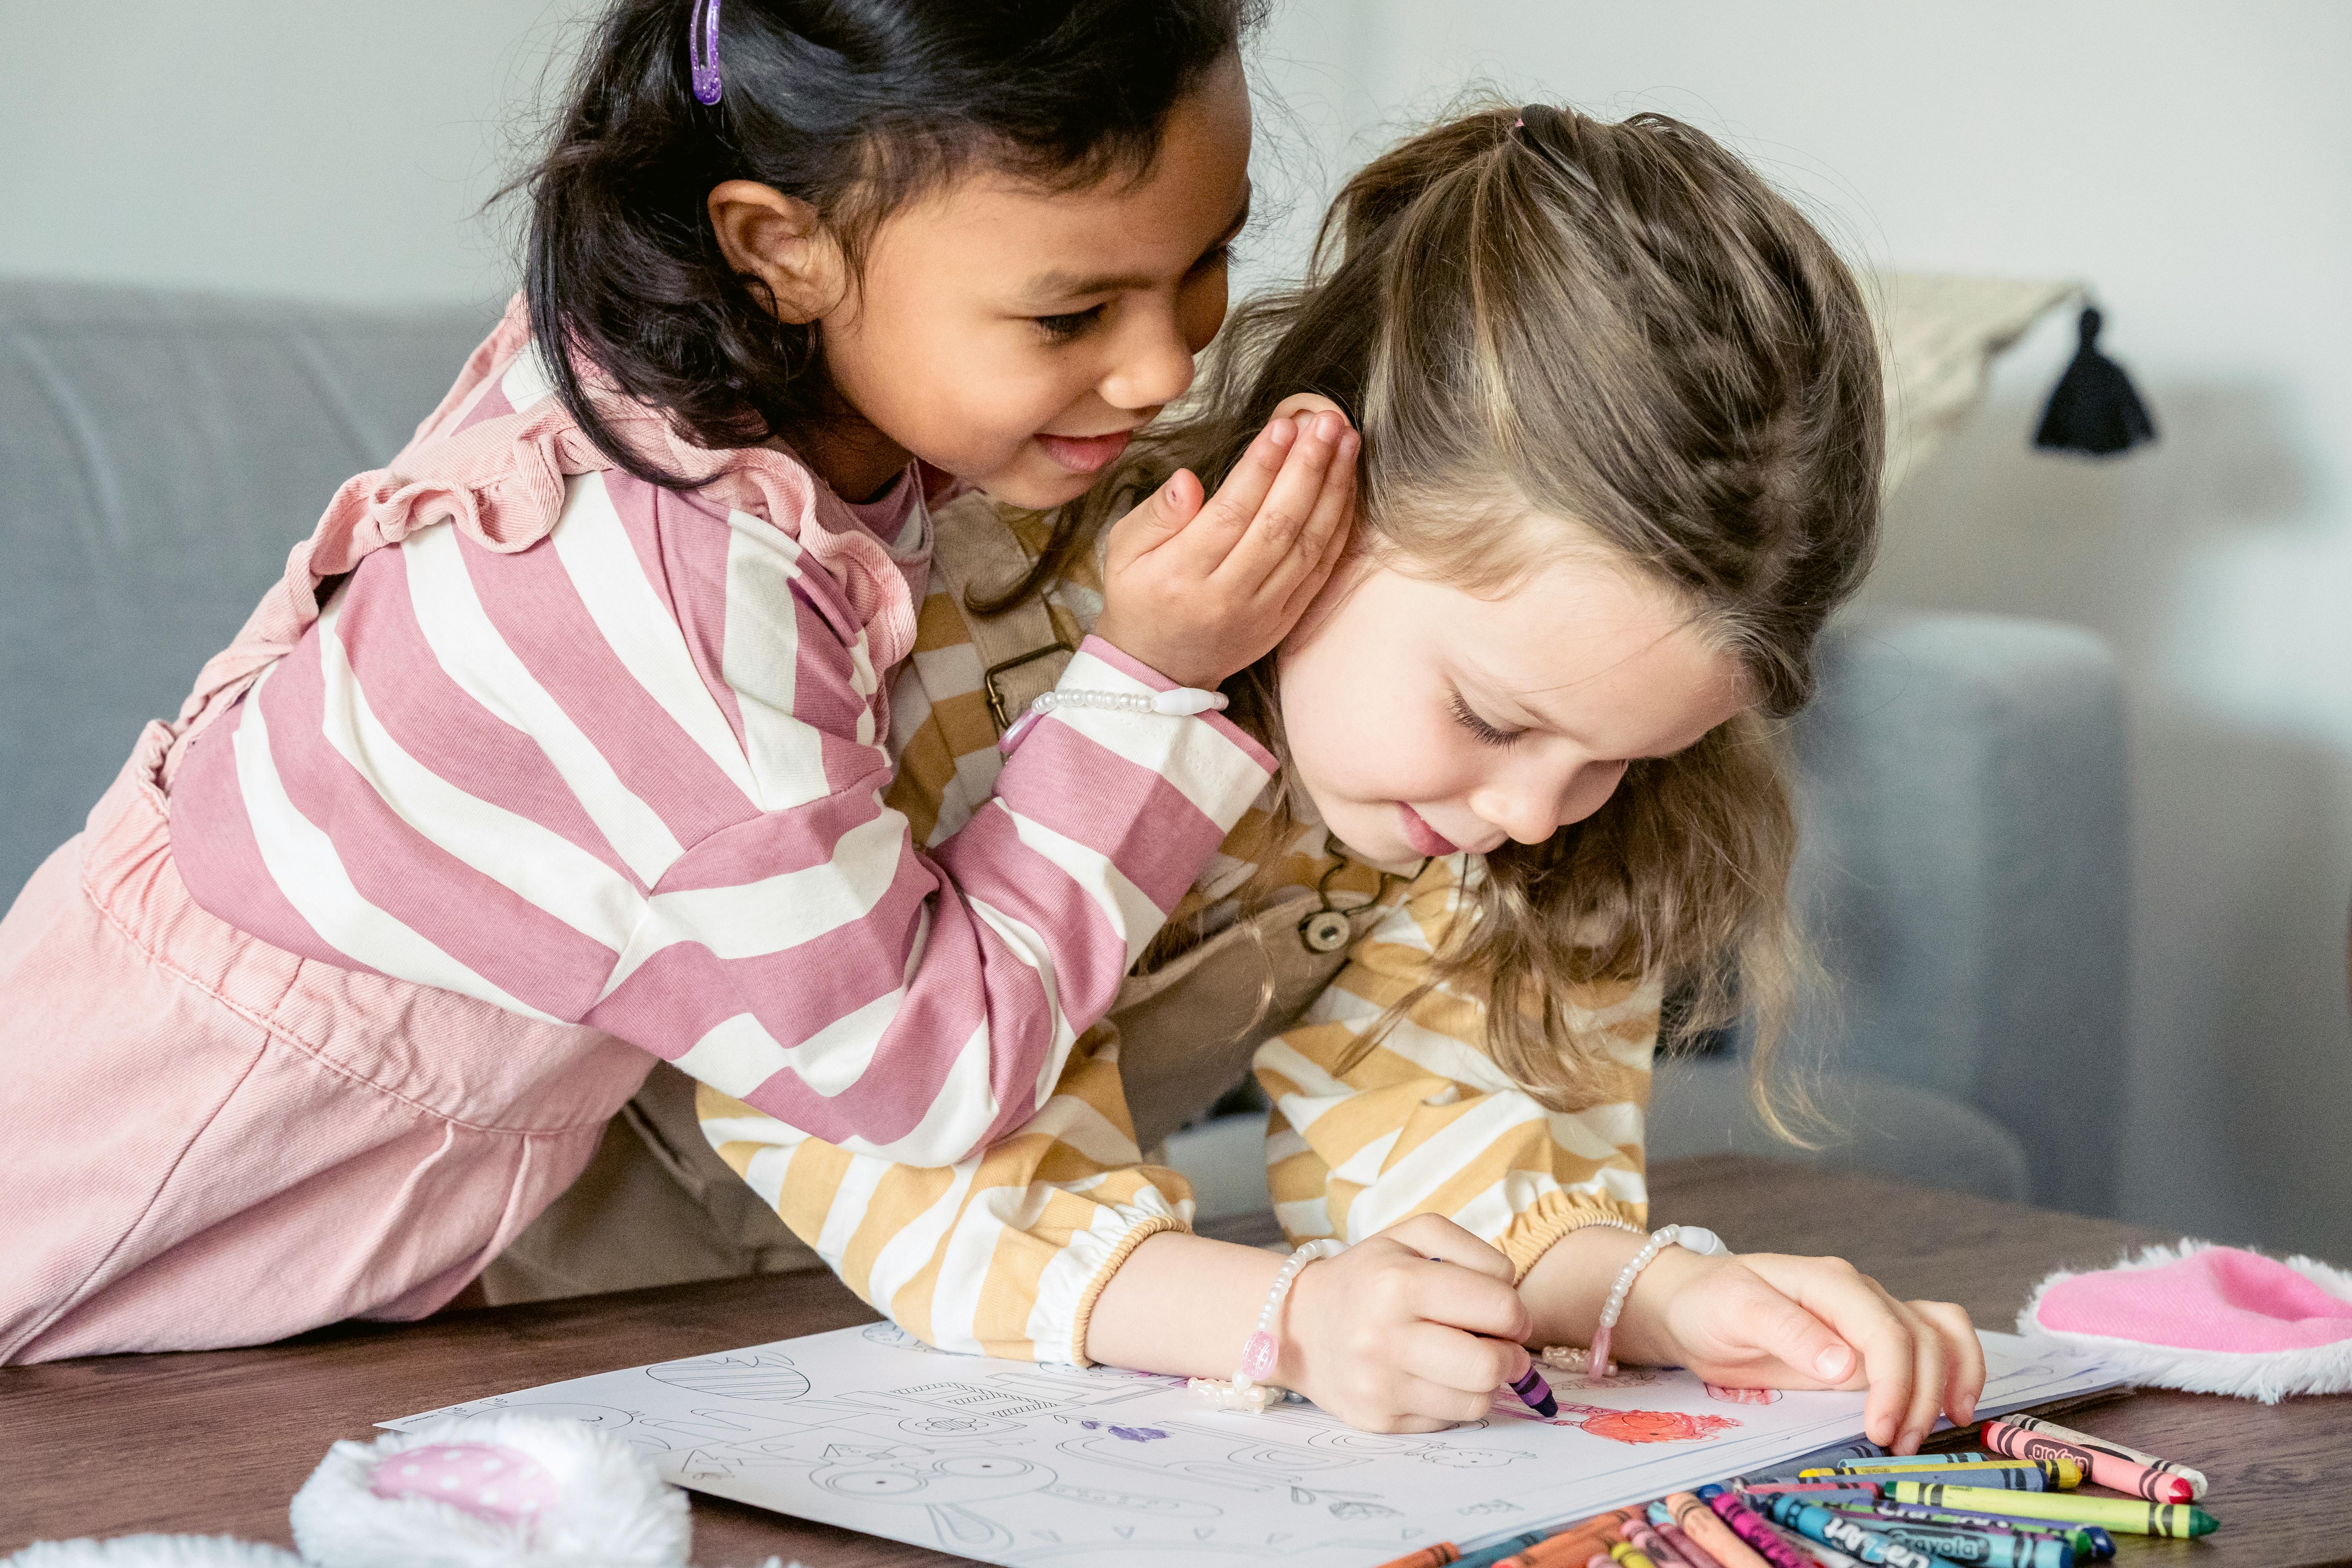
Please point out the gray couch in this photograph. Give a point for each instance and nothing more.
(1963, 866)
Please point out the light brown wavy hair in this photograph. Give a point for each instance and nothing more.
(1551, 330)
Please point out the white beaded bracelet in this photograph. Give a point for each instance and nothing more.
(1179, 702)
(1689, 1237)
(1182, 701)
(1248, 1390)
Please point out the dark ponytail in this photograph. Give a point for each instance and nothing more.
(853, 106)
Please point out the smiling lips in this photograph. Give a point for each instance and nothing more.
(1425, 839)
(1085, 454)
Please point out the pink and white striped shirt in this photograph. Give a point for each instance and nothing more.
(631, 776)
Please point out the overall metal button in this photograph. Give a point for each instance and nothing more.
(1325, 930)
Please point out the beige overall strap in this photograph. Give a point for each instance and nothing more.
(1021, 654)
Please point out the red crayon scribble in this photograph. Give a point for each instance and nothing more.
(1742, 1395)
(1643, 1425)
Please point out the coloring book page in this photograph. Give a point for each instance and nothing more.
(1017, 1463)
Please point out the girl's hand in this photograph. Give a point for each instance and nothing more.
(1197, 591)
(1409, 1330)
(1764, 1320)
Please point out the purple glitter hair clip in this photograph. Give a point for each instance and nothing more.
(702, 50)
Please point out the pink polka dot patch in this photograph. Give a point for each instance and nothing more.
(482, 1478)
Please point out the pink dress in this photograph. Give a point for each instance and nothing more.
(526, 773)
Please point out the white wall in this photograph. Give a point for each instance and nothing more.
(2195, 164)
(2194, 161)
(339, 151)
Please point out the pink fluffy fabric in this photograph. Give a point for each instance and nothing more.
(2212, 1320)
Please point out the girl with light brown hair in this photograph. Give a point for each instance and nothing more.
(1622, 429)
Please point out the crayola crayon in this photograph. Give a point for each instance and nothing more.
(2021, 1476)
(2089, 1542)
(1646, 1540)
(1985, 1548)
(1571, 1544)
(1818, 1523)
(2107, 1469)
(1488, 1556)
(1566, 1549)
(1700, 1523)
(1749, 1526)
(2196, 1478)
(1897, 1461)
(2130, 1515)
(1693, 1554)
(1838, 1453)
(1804, 1546)
(2057, 1475)
(1853, 1489)
(1629, 1555)
(1436, 1556)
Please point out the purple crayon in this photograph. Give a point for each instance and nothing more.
(1536, 1394)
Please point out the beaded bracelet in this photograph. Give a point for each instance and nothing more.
(1689, 1237)
(1179, 702)
(1247, 1391)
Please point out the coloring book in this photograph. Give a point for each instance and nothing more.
(1019, 1464)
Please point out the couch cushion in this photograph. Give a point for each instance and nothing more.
(1874, 1124)
(159, 455)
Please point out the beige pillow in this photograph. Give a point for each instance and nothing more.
(1939, 333)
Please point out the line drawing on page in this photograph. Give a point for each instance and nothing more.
(762, 1376)
(1038, 1465)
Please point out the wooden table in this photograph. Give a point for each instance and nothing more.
(218, 1441)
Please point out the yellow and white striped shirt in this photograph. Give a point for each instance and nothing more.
(1005, 1253)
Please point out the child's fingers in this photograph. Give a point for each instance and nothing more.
(1865, 1318)
(1931, 1373)
(1300, 575)
(1161, 516)
(1227, 517)
(1419, 1397)
(1775, 1323)
(1434, 1236)
(1964, 1385)
(1466, 1363)
(1273, 537)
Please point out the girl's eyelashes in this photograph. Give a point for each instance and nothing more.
(1062, 329)
(1487, 734)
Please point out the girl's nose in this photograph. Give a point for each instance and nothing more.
(1533, 804)
(1153, 363)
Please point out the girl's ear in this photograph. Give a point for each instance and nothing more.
(776, 239)
(1306, 403)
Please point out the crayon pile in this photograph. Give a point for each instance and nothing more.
(2010, 1503)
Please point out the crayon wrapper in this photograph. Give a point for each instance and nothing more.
(1823, 1525)
(1722, 1542)
(2096, 1444)
(2105, 1469)
(2016, 1475)
(1749, 1528)
(1955, 1544)
(2133, 1515)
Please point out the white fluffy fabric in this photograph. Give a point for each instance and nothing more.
(151, 1552)
(611, 1509)
(2267, 1375)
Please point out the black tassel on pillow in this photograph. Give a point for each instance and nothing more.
(2093, 407)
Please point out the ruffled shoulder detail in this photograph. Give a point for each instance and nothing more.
(500, 480)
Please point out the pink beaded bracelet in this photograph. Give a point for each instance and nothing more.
(1248, 1389)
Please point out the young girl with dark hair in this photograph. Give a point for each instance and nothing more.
(561, 746)
(1623, 431)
